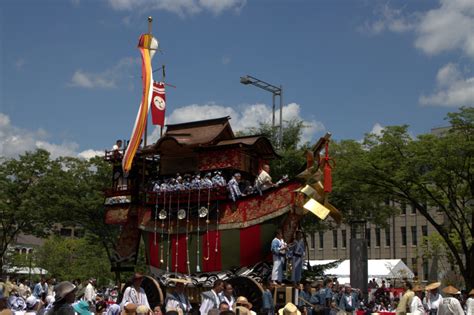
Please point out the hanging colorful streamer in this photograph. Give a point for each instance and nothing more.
(147, 45)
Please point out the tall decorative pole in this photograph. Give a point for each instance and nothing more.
(150, 21)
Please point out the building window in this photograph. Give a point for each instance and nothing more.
(414, 238)
(387, 237)
(313, 241)
(367, 236)
(334, 238)
(377, 237)
(404, 235)
(344, 238)
(413, 208)
(321, 240)
(425, 270)
(424, 230)
(403, 206)
(65, 232)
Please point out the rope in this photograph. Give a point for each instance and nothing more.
(162, 230)
(198, 268)
(217, 225)
(177, 236)
(156, 219)
(207, 223)
(187, 232)
(169, 234)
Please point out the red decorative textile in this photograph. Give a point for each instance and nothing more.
(327, 171)
(214, 262)
(181, 265)
(248, 209)
(250, 245)
(259, 206)
(212, 160)
(154, 249)
(158, 104)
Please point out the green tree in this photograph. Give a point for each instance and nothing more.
(71, 258)
(81, 196)
(431, 173)
(292, 153)
(25, 203)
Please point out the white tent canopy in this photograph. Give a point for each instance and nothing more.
(26, 270)
(378, 269)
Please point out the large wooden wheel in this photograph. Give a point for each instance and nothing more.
(251, 289)
(153, 291)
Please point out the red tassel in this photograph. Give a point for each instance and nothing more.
(327, 171)
(327, 177)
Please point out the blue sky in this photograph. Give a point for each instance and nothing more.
(70, 69)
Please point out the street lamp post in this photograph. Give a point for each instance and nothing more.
(276, 91)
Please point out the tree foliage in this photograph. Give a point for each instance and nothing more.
(291, 151)
(432, 173)
(70, 258)
(82, 201)
(26, 204)
(38, 193)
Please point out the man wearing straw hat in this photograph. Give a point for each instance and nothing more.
(433, 298)
(289, 309)
(242, 301)
(178, 299)
(416, 306)
(449, 304)
(470, 303)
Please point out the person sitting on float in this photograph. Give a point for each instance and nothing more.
(264, 180)
(233, 187)
(206, 182)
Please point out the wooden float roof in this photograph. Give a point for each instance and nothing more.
(210, 134)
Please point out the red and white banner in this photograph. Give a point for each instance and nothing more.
(158, 104)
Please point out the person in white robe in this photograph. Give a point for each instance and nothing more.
(416, 305)
(135, 294)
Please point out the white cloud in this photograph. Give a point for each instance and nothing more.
(453, 89)
(445, 28)
(88, 154)
(377, 129)
(15, 141)
(106, 79)
(243, 117)
(180, 7)
(448, 27)
(218, 6)
(389, 19)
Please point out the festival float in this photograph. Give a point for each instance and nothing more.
(170, 194)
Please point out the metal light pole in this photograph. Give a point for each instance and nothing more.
(276, 91)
